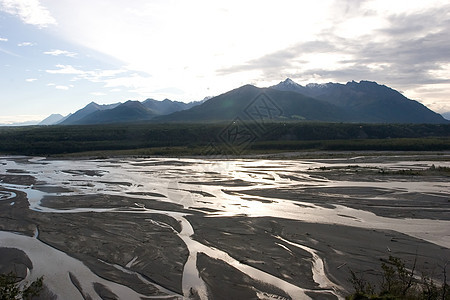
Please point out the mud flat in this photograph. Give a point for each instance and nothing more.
(268, 244)
(162, 228)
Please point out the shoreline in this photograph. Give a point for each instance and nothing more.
(278, 155)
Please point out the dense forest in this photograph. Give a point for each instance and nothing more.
(236, 137)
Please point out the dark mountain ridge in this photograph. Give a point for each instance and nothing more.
(367, 101)
(167, 106)
(364, 101)
(52, 119)
(130, 111)
(249, 102)
(85, 111)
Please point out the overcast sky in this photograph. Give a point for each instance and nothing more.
(58, 55)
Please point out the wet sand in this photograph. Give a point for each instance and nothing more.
(382, 202)
(200, 229)
(342, 247)
(95, 238)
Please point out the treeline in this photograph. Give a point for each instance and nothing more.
(335, 131)
(233, 137)
(394, 144)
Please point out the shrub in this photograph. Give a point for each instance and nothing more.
(10, 288)
(399, 283)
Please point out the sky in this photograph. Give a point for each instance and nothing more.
(56, 56)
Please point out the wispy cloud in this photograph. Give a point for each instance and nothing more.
(66, 69)
(131, 81)
(98, 94)
(26, 44)
(29, 11)
(57, 52)
(30, 79)
(9, 52)
(3, 39)
(402, 44)
(60, 87)
(110, 78)
(391, 54)
(91, 75)
(406, 49)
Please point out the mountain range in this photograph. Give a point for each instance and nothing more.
(130, 111)
(367, 101)
(364, 101)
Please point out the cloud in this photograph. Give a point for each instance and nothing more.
(406, 50)
(9, 52)
(57, 52)
(3, 39)
(98, 94)
(91, 75)
(110, 78)
(66, 69)
(118, 80)
(62, 87)
(26, 44)
(29, 11)
(131, 81)
(282, 59)
(391, 53)
(30, 79)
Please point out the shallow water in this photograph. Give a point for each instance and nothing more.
(218, 188)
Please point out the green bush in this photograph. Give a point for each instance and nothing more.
(10, 289)
(399, 283)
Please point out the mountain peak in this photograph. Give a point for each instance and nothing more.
(92, 104)
(289, 85)
(52, 119)
(131, 104)
(248, 85)
(363, 83)
(131, 101)
(289, 81)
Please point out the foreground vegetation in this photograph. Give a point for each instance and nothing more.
(431, 171)
(10, 288)
(400, 282)
(234, 138)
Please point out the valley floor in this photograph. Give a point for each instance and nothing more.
(203, 228)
